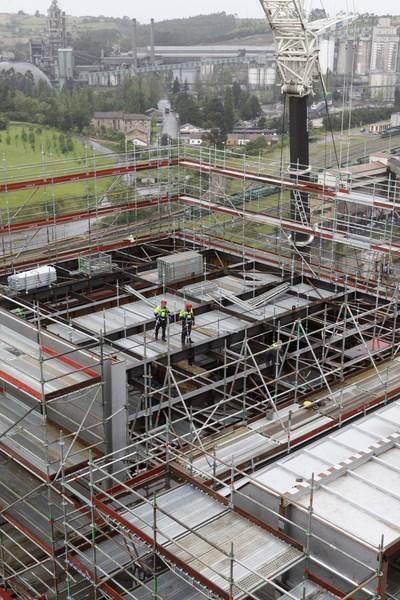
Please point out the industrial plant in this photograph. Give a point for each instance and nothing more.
(199, 369)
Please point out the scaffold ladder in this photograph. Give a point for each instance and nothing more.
(300, 210)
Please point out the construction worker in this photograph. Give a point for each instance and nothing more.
(161, 312)
(186, 315)
(21, 312)
(272, 353)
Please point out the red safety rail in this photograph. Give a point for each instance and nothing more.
(88, 174)
(85, 214)
(286, 182)
(20, 385)
(302, 185)
(68, 254)
(315, 230)
(67, 360)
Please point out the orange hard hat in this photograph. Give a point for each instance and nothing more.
(189, 305)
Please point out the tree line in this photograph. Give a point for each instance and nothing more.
(357, 117)
(72, 109)
(219, 115)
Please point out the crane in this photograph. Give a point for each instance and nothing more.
(297, 54)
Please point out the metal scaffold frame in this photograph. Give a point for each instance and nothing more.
(350, 316)
(267, 367)
(112, 519)
(338, 353)
(346, 223)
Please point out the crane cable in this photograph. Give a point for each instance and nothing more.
(283, 133)
(328, 116)
(281, 174)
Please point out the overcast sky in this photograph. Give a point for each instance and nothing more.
(164, 9)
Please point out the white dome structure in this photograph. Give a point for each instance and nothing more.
(23, 68)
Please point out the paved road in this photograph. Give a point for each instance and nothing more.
(38, 238)
(170, 125)
(99, 148)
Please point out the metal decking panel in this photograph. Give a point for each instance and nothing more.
(126, 315)
(330, 451)
(219, 323)
(35, 440)
(112, 554)
(30, 502)
(170, 587)
(69, 333)
(24, 363)
(208, 325)
(312, 292)
(308, 590)
(351, 519)
(237, 449)
(199, 531)
(186, 504)
(150, 347)
(255, 549)
(292, 301)
(149, 275)
(229, 284)
(357, 477)
(106, 350)
(299, 431)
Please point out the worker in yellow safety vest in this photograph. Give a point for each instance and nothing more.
(186, 315)
(161, 313)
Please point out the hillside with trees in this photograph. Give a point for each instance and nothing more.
(92, 34)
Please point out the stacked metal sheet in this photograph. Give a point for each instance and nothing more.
(95, 263)
(30, 280)
(177, 267)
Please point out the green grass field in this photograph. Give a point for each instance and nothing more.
(30, 152)
(31, 148)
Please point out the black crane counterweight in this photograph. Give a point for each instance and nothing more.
(299, 161)
(297, 50)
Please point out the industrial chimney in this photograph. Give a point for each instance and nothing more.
(152, 49)
(134, 43)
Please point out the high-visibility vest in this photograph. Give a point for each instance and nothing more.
(187, 315)
(161, 312)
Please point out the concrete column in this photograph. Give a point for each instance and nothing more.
(115, 404)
